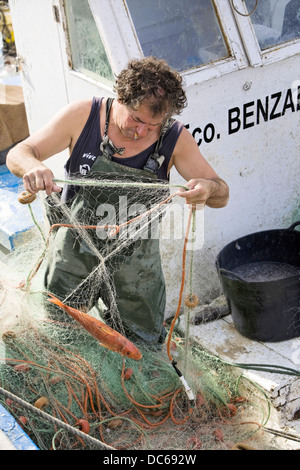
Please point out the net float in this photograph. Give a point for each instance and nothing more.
(191, 301)
(26, 197)
(128, 373)
(83, 425)
(41, 402)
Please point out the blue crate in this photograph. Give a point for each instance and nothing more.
(15, 219)
(8, 180)
(14, 433)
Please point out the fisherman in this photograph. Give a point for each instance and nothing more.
(132, 135)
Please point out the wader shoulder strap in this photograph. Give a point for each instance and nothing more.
(155, 160)
(109, 103)
(107, 147)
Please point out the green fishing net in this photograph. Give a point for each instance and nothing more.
(69, 392)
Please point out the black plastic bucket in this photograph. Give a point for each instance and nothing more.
(266, 308)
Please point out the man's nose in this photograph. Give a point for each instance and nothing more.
(142, 130)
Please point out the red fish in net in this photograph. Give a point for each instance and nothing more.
(107, 337)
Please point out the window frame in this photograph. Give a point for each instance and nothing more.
(257, 56)
(88, 76)
(236, 60)
(121, 43)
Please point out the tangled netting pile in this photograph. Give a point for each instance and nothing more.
(69, 392)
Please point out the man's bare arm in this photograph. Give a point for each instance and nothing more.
(25, 160)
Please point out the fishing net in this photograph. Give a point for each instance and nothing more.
(70, 392)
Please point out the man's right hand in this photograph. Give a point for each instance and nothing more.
(40, 178)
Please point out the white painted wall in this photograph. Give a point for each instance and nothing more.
(260, 163)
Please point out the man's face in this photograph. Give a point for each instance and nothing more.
(137, 124)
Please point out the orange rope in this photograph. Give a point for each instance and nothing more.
(172, 410)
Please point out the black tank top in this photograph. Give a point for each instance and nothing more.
(87, 148)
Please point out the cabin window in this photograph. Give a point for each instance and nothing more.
(274, 21)
(87, 50)
(186, 33)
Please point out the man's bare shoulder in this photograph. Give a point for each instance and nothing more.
(77, 109)
(71, 118)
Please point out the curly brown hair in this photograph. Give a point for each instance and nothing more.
(153, 80)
